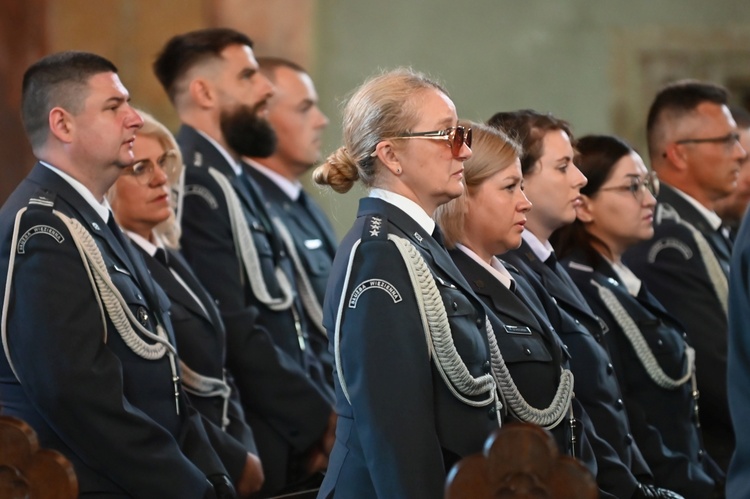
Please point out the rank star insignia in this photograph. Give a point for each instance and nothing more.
(375, 223)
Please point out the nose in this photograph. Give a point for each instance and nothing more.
(649, 200)
(579, 178)
(464, 153)
(524, 206)
(739, 151)
(265, 87)
(322, 118)
(160, 176)
(134, 120)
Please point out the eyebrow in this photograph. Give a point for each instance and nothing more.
(117, 100)
(249, 72)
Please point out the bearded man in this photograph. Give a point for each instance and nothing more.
(230, 239)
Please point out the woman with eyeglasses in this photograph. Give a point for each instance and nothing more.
(650, 354)
(143, 201)
(414, 384)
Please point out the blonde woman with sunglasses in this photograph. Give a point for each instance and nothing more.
(414, 389)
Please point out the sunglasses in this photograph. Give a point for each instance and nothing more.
(456, 136)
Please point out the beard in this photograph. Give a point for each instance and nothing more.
(247, 133)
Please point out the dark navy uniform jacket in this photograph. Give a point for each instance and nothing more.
(739, 363)
(201, 342)
(82, 389)
(403, 428)
(315, 242)
(208, 246)
(663, 420)
(596, 388)
(672, 267)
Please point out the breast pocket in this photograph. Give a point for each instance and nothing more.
(467, 325)
(665, 343)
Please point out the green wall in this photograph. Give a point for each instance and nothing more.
(582, 60)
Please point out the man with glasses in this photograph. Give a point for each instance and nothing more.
(694, 149)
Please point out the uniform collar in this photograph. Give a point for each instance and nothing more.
(496, 268)
(711, 217)
(233, 163)
(102, 209)
(291, 188)
(540, 249)
(407, 206)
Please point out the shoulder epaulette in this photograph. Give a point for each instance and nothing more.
(43, 199)
(374, 228)
(581, 267)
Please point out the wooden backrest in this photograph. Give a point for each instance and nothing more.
(520, 461)
(28, 472)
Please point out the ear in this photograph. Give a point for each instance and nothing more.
(202, 92)
(584, 211)
(61, 124)
(676, 155)
(388, 157)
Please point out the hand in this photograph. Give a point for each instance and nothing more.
(252, 477)
(650, 491)
(317, 455)
(222, 487)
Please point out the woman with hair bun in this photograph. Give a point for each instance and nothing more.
(414, 384)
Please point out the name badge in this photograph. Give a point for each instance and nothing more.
(517, 330)
(313, 244)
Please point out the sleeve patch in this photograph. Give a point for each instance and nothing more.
(36, 230)
(202, 192)
(667, 243)
(369, 284)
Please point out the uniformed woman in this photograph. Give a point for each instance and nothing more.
(143, 201)
(654, 363)
(487, 220)
(413, 369)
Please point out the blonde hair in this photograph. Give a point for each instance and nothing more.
(169, 230)
(382, 107)
(492, 151)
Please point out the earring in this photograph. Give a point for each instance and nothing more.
(398, 171)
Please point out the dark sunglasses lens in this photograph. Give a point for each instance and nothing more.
(468, 137)
(457, 140)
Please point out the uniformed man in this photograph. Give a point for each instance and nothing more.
(88, 359)
(298, 122)
(693, 146)
(229, 238)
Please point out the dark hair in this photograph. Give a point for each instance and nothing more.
(528, 127)
(741, 116)
(269, 65)
(57, 80)
(596, 156)
(182, 52)
(676, 100)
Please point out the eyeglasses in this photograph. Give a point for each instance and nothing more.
(638, 186)
(728, 140)
(144, 170)
(456, 136)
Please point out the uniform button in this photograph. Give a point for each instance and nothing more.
(610, 368)
(700, 454)
(684, 335)
(527, 351)
(454, 305)
(628, 439)
(492, 414)
(578, 323)
(479, 322)
(138, 297)
(660, 342)
(619, 404)
(142, 315)
(486, 367)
